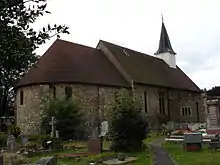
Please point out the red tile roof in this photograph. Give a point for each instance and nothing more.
(66, 62)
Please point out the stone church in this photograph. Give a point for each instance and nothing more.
(96, 74)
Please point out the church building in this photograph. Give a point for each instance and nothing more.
(95, 75)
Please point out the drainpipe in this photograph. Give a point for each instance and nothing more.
(168, 106)
(197, 111)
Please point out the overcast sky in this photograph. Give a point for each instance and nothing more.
(193, 27)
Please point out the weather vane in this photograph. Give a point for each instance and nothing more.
(162, 16)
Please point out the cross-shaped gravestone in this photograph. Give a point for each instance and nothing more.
(53, 123)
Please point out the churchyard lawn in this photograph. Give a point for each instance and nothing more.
(204, 157)
(144, 157)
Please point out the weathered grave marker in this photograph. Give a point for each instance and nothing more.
(192, 141)
(53, 123)
(104, 128)
(24, 140)
(11, 145)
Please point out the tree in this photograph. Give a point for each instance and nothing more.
(19, 40)
(68, 115)
(215, 91)
(127, 126)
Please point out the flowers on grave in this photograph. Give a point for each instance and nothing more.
(72, 145)
(181, 132)
(32, 146)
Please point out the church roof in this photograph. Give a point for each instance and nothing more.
(149, 70)
(66, 62)
(164, 43)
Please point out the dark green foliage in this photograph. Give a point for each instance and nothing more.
(43, 139)
(3, 139)
(19, 41)
(215, 91)
(16, 131)
(127, 126)
(68, 116)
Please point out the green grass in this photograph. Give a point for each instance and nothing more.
(204, 157)
(144, 157)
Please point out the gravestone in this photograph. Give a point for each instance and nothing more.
(95, 143)
(53, 123)
(24, 140)
(184, 126)
(11, 145)
(47, 161)
(170, 125)
(104, 128)
(57, 135)
(192, 141)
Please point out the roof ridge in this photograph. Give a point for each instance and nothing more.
(128, 48)
(70, 42)
(138, 52)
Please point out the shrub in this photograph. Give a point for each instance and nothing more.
(3, 139)
(43, 139)
(32, 145)
(127, 127)
(16, 131)
(33, 138)
(68, 116)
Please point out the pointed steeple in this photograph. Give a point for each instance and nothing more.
(164, 43)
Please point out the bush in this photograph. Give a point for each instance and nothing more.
(127, 127)
(33, 138)
(3, 139)
(32, 145)
(43, 139)
(16, 131)
(68, 116)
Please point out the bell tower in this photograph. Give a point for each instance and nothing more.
(165, 50)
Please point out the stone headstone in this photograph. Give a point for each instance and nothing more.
(95, 145)
(177, 126)
(53, 124)
(57, 134)
(170, 125)
(94, 133)
(47, 161)
(184, 126)
(11, 145)
(192, 141)
(193, 138)
(24, 140)
(104, 128)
